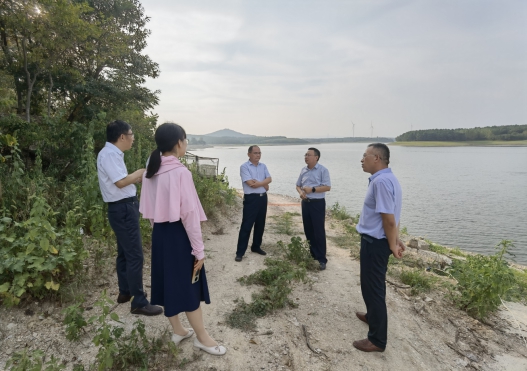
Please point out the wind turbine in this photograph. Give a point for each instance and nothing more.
(353, 129)
(371, 129)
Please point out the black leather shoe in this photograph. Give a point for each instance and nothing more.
(122, 298)
(259, 251)
(238, 258)
(148, 310)
(322, 266)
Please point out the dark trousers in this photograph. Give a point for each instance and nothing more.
(314, 219)
(374, 254)
(124, 220)
(254, 213)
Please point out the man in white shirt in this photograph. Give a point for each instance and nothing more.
(118, 190)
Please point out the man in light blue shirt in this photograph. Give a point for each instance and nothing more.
(379, 229)
(312, 185)
(255, 182)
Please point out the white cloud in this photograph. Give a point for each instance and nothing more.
(280, 68)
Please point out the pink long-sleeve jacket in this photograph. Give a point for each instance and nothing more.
(169, 196)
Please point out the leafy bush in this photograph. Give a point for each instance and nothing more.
(299, 253)
(119, 350)
(214, 192)
(34, 256)
(482, 281)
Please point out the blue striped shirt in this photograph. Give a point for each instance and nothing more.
(249, 172)
(315, 177)
(384, 196)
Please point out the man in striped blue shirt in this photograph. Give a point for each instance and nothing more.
(255, 182)
(379, 229)
(312, 185)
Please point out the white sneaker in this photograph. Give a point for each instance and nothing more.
(217, 350)
(178, 338)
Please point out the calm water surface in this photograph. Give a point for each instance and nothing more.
(470, 197)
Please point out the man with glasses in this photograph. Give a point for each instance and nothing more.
(118, 190)
(312, 185)
(255, 182)
(379, 229)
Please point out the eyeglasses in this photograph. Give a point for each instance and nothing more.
(371, 154)
(185, 140)
(132, 134)
(256, 153)
(307, 155)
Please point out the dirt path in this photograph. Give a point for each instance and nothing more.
(423, 334)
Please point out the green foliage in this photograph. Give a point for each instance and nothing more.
(418, 280)
(34, 256)
(124, 351)
(482, 281)
(276, 280)
(214, 192)
(404, 230)
(74, 321)
(339, 212)
(284, 223)
(299, 253)
(518, 292)
(33, 361)
(506, 132)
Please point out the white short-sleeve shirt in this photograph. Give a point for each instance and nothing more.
(110, 169)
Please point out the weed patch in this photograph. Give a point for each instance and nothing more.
(483, 281)
(276, 279)
(284, 224)
(419, 281)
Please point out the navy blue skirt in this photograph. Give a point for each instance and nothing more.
(172, 266)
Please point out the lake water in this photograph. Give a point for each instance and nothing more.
(470, 197)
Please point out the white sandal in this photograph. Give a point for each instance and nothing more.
(178, 338)
(217, 350)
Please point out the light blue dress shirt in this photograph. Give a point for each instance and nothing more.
(248, 172)
(384, 195)
(110, 169)
(316, 177)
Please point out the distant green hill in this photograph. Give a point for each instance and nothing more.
(505, 133)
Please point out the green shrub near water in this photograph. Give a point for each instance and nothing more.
(483, 281)
(417, 279)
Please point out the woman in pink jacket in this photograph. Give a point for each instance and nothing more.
(170, 201)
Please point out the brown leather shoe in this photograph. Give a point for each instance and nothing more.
(361, 316)
(366, 346)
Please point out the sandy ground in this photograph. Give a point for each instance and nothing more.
(425, 333)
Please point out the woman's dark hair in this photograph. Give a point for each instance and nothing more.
(166, 136)
(115, 129)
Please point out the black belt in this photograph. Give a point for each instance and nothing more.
(254, 194)
(313, 199)
(124, 200)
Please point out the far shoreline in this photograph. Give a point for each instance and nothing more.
(476, 143)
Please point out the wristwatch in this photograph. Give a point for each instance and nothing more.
(313, 190)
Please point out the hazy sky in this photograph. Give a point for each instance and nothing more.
(309, 68)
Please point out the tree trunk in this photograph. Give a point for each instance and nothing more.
(30, 82)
